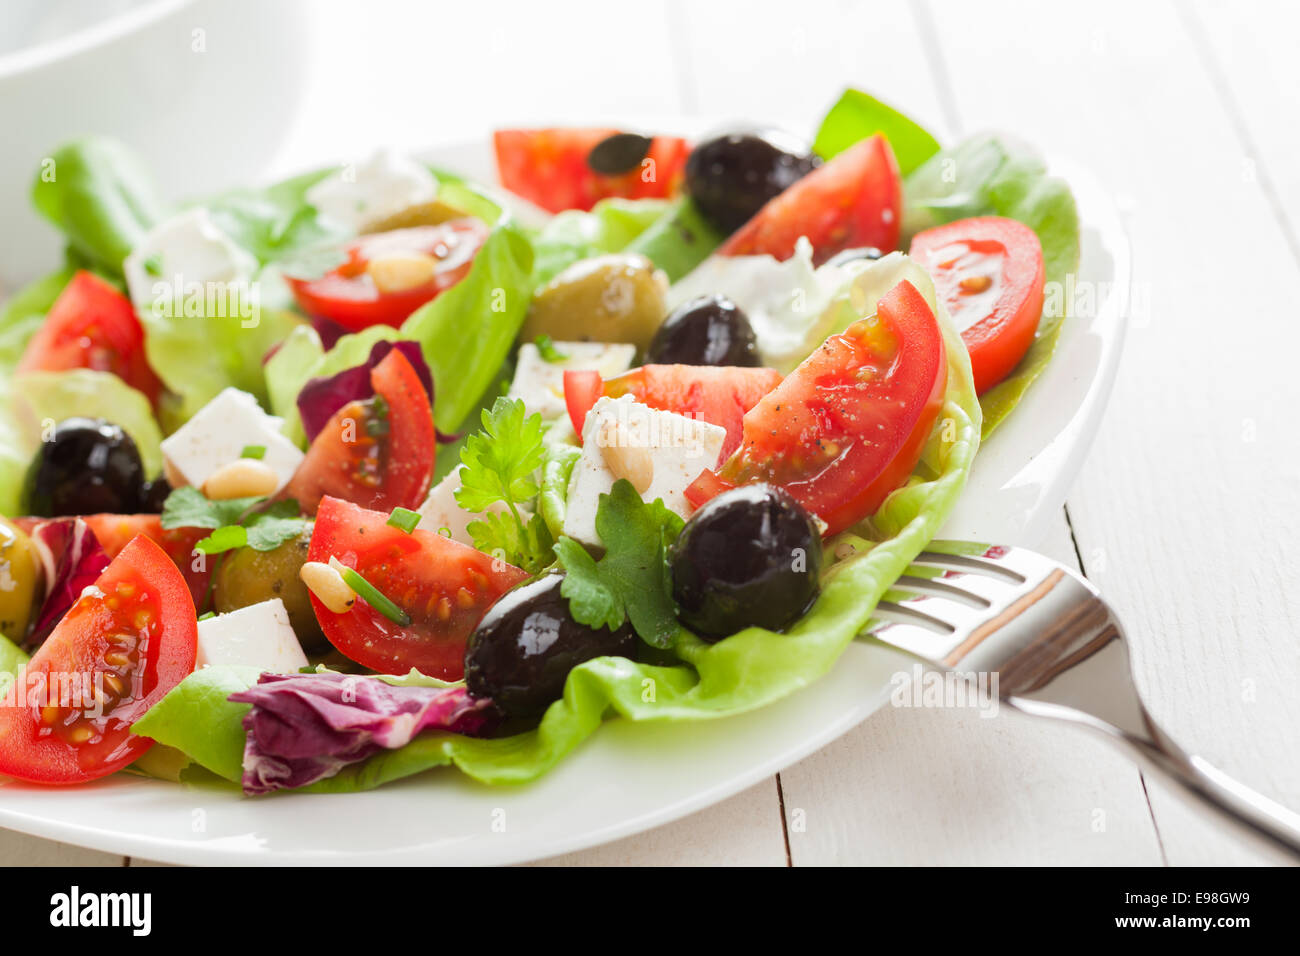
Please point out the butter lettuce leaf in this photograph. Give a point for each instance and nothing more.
(857, 115)
(39, 398)
(196, 718)
(12, 660)
(574, 235)
(991, 174)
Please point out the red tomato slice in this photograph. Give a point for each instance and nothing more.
(92, 325)
(582, 389)
(131, 640)
(854, 200)
(377, 452)
(989, 272)
(848, 425)
(115, 532)
(719, 395)
(549, 168)
(444, 586)
(347, 295)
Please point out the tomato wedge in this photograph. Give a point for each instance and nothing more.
(92, 325)
(854, 200)
(115, 532)
(847, 426)
(989, 272)
(377, 452)
(444, 586)
(550, 167)
(129, 641)
(719, 395)
(348, 295)
(582, 390)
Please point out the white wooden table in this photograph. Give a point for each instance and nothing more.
(1186, 513)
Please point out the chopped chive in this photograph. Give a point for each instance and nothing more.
(253, 451)
(375, 598)
(445, 531)
(404, 518)
(208, 615)
(546, 348)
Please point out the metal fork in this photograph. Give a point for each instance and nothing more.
(1058, 651)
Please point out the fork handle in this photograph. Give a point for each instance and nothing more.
(1266, 824)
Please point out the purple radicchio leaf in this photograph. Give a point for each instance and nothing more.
(321, 398)
(73, 560)
(306, 727)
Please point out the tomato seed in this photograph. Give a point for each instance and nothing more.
(975, 284)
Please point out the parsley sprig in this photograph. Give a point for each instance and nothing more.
(500, 465)
(632, 580)
(235, 523)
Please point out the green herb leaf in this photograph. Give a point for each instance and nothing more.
(527, 545)
(857, 115)
(187, 507)
(280, 522)
(256, 452)
(546, 347)
(225, 538)
(500, 462)
(591, 600)
(631, 579)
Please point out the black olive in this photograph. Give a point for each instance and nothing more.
(749, 557)
(526, 644)
(732, 176)
(154, 495)
(88, 466)
(618, 153)
(706, 330)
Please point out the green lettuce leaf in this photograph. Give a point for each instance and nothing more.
(995, 175)
(38, 397)
(196, 718)
(12, 659)
(274, 221)
(468, 331)
(610, 226)
(198, 356)
(747, 670)
(96, 191)
(679, 240)
(857, 115)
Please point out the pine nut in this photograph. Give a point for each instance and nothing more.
(401, 271)
(632, 462)
(244, 478)
(328, 586)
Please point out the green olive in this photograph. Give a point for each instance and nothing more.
(432, 213)
(246, 576)
(614, 298)
(20, 581)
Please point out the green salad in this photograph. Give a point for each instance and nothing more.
(378, 469)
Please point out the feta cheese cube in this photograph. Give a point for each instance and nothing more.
(216, 435)
(364, 193)
(440, 510)
(680, 448)
(186, 249)
(540, 384)
(255, 636)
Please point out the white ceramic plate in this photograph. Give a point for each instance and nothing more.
(627, 777)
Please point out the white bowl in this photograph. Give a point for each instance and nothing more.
(203, 89)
